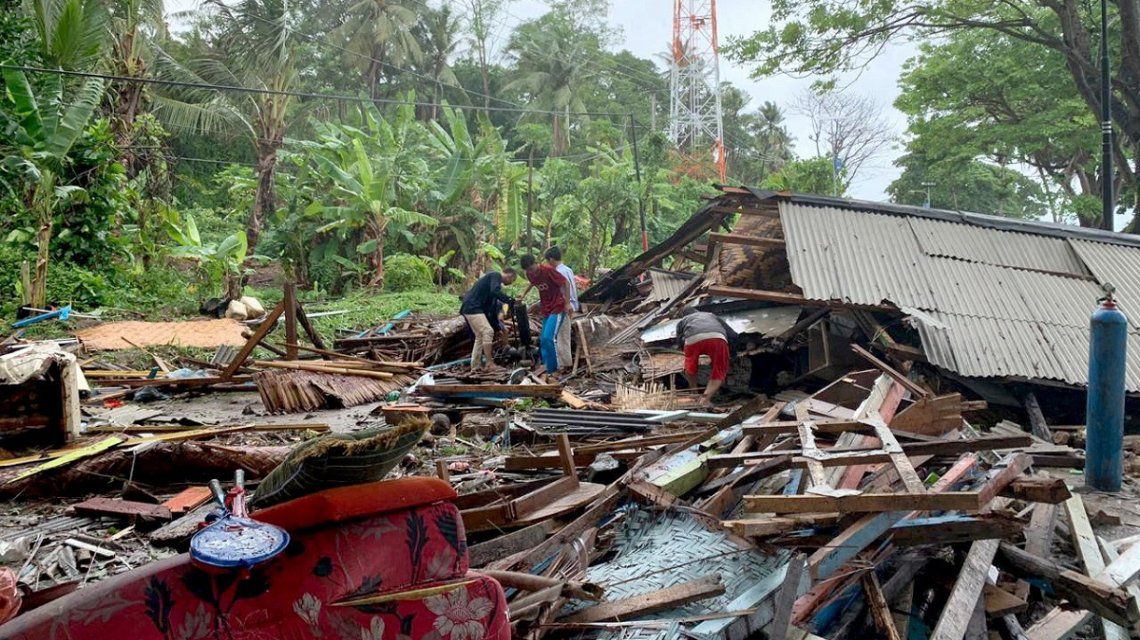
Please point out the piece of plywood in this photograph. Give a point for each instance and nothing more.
(98, 507)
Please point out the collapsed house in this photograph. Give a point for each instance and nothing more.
(865, 475)
(996, 305)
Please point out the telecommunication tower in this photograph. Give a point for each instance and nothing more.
(696, 123)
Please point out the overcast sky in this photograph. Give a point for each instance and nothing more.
(646, 27)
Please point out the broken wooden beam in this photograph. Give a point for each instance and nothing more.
(493, 390)
(865, 502)
(790, 298)
(660, 600)
(963, 600)
(843, 456)
(1099, 597)
(751, 241)
(114, 507)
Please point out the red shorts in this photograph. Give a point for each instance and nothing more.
(717, 351)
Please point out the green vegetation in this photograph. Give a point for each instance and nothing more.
(385, 154)
(1002, 101)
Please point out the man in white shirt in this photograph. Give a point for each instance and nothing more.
(553, 256)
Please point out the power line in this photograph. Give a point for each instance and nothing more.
(295, 94)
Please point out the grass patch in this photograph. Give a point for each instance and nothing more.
(366, 308)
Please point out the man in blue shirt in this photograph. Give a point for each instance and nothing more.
(481, 306)
(553, 256)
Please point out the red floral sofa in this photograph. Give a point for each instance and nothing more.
(396, 549)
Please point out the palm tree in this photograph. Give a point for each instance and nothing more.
(256, 48)
(134, 27)
(438, 33)
(72, 34)
(380, 33)
(772, 136)
(550, 57)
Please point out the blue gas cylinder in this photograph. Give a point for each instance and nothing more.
(1104, 415)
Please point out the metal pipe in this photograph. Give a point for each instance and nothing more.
(1104, 450)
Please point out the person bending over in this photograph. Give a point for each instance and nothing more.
(700, 333)
(481, 306)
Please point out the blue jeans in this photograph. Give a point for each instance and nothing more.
(547, 344)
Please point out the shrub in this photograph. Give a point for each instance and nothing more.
(405, 272)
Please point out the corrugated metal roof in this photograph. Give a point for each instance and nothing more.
(667, 284)
(1116, 265)
(1000, 248)
(987, 302)
(989, 347)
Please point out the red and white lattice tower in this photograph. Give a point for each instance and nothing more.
(696, 124)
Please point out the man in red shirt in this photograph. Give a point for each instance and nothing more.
(553, 303)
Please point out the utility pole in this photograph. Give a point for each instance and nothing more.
(928, 186)
(1107, 206)
(640, 195)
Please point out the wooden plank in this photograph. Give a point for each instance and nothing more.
(571, 400)
(1040, 488)
(907, 383)
(1098, 596)
(121, 508)
(826, 561)
(307, 325)
(828, 426)
(1014, 466)
(1037, 424)
(65, 459)
(510, 543)
(660, 600)
(259, 334)
(790, 298)
(967, 589)
(1085, 543)
(880, 610)
(1038, 540)
(898, 459)
(842, 456)
(864, 502)
(189, 499)
(786, 597)
(817, 477)
(566, 456)
(751, 241)
(507, 390)
(290, 303)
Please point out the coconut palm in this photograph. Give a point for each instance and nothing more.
(550, 60)
(772, 137)
(255, 48)
(134, 25)
(438, 34)
(72, 34)
(380, 33)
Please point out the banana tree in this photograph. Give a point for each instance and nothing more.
(43, 132)
(374, 185)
